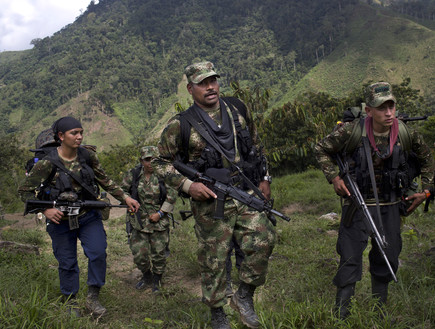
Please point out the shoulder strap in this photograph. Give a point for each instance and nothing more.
(185, 129)
(355, 136)
(241, 107)
(163, 191)
(404, 136)
(53, 157)
(135, 181)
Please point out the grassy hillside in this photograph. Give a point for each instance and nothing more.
(298, 292)
(377, 46)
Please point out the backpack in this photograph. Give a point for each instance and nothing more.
(135, 183)
(44, 144)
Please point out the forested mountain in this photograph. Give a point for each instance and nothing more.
(119, 65)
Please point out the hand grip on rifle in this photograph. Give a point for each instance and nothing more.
(219, 181)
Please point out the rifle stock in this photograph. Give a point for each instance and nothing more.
(219, 181)
(361, 205)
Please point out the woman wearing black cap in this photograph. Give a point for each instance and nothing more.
(53, 170)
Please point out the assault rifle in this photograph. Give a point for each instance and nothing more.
(358, 200)
(220, 182)
(69, 208)
(406, 118)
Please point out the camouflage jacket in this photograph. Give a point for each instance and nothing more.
(335, 143)
(42, 169)
(170, 146)
(149, 198)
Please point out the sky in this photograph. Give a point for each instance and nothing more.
(21, 21)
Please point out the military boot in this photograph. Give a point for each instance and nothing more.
(380, 292)
(92, 302)
(72, 306)
(219, 319)
(242, 301)
(145, 281)
(343, 299)
(157, 282)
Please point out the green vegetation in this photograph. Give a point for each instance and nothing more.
(298, 292)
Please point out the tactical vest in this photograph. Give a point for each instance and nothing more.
(252, 161)
(394, 175)
(63, 183)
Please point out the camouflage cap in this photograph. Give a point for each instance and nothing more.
(378, 93)
(149, 152)
(199, 71)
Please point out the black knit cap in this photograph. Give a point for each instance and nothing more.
(64, 124)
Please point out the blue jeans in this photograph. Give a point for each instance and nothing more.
(93, 240)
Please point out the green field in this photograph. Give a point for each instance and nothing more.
(298, 292)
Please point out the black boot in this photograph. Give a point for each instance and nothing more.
(242, 301)
(157, 282)
(219, 319)
(343, 299)
(145, 281)
(380, 292)
(92, 302)
(71, 305)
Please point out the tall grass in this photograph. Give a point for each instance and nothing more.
(298, 292)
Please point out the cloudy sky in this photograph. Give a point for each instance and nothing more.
(21, 21)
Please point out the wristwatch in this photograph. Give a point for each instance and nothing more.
(268, 179)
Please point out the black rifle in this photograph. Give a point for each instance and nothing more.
(358, 200)
(219, 181)
(69, 208)
(405, 118)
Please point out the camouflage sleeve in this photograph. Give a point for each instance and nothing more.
(169, 146)
(425, 158)
(169, 203)
(106, 183)
(127, 181)
(39, 173)
(331, 145)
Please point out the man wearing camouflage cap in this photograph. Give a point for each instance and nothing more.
(254, 233)
(150, 225)
(381, 133)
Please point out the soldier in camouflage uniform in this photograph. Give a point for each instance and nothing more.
(90, 228)
(252, 230)
(150, 227)
(382, 129)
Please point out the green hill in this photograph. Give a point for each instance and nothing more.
(119, 66)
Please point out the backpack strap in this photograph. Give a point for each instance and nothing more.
(136, 171)
(355, 137)
(404, 136)
(163, 191)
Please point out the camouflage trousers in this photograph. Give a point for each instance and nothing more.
(253, 232)
(149, 250)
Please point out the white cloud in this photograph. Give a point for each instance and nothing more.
(21, 21)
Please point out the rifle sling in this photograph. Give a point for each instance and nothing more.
(373, 181)
(195, 123)
(61, 166)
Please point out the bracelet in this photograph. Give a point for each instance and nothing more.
(161, 213)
